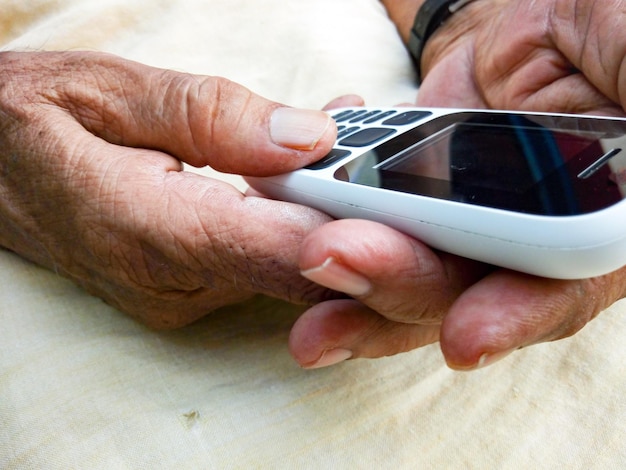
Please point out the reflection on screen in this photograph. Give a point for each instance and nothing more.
(525, 167)
(494, 157)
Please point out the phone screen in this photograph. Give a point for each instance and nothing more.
(541, 165)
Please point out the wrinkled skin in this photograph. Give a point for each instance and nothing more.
(541, 55)
(91, 185)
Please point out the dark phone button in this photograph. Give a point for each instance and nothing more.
(378, 117)
(341, 115)
(408, 117)
(333, 156)
(366, 137)
(352, 115)
(365, 116)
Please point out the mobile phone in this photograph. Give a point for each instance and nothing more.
(539, 193)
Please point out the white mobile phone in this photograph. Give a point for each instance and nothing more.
(535, 192)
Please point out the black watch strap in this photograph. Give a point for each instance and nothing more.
(431, 15)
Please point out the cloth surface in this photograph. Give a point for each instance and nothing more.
(83, 386)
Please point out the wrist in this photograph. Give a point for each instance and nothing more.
(432, 15)
(458, 26)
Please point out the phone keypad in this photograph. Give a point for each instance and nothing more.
(361, 128)
(366, 137)
(334, 156)
(407, 117)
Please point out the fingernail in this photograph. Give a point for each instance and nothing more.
(488, 359)
(339, 277)
(298, 129)
(330, 357)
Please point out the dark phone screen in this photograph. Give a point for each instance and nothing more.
(527, 163)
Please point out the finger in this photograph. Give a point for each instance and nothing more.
(334, 331)
(507, 311)
(200, 120)
(535, 64)
(390, 272)
(586, 33)
(547, 83)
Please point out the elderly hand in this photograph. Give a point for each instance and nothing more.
(545, 55)
(91, 183)
(548, 55)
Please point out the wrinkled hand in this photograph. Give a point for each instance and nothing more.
(545, 55)
(91, 183)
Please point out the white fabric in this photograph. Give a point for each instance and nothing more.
(83, 386)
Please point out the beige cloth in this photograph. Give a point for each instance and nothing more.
(83, 386)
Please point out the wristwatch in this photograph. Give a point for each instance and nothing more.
(431, 15)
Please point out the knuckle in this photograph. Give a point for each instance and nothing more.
(228, 106)
(209, 116)
(257, 263)
(262, 251)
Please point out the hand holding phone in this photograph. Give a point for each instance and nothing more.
(535, 192)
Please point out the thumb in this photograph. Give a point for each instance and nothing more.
(200, 120)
